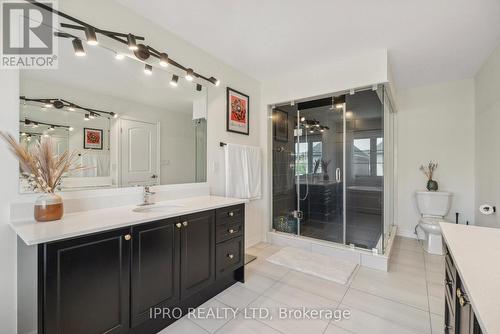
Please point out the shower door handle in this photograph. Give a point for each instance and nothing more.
(337, 175)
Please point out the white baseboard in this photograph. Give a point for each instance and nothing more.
(407, 233)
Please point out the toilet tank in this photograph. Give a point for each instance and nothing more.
(433, 203)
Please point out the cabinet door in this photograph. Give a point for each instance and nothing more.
(86, 284)
(155, 268)
(197, 252)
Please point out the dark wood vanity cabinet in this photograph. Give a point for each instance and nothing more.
(197, 252)
(108, 282)
(84, 284)
(459, 316)
(154, 268)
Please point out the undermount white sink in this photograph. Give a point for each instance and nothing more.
(157, 207)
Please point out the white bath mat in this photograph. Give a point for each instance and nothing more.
(324, 266)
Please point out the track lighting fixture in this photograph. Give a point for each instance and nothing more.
(163, 59)
(131, 42)
(27, 122)
(215, 81)
(113, 114)
(135, 43)
(48, 105)
(71, 108)
(51, 128)
(91, 115)
(28, 138)
(189, 74)
(87, 117)
(174, 81)
(23, 134)
(71, 128)
(148, 69)
(35, 124)
(198, 87)
(58, 104)
(119, 56)
(78, 47)
(91, 36)
(302, 119)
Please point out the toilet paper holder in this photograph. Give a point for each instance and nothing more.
(487, 209)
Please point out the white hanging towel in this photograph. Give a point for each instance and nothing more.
(243, 171)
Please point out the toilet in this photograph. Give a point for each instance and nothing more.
(433, 207)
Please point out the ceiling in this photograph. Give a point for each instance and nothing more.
(429, 41)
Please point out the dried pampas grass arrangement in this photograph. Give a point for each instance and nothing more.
(40, 165)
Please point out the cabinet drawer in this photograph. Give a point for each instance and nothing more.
(231, 214)
(228, 231)
(229, 255)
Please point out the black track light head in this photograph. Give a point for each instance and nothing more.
(78, 47)
(215, 81)
(131, 42)
(91, 36)
(189, 74)
(174, 81)
(148, 69)
(163, 59)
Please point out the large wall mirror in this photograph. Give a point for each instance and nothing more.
(130, 127)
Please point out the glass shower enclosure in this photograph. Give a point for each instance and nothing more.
(329, 160)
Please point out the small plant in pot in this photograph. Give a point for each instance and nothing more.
(428, 171)
(44, 170)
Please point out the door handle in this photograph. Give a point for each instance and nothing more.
(337, 174)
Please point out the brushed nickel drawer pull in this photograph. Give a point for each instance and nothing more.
(179, 225)
(230, 214)
(127, 237)
(230, 256)
(185, 223)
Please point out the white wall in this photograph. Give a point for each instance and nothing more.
(9, 117)
(112, 16)
(436, 123)
(488, 138)
(363, 70)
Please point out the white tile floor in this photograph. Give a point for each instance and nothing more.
(407, 299)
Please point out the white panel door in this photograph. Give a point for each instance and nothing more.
(139, 153)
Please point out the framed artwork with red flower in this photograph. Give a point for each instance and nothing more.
(238, 112)
(92, 139)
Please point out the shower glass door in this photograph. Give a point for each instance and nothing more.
(319, 161)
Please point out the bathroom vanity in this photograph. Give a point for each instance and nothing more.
(105, 271)
(471, 305)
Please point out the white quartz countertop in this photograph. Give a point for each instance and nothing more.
(86, 222)
(475, 251)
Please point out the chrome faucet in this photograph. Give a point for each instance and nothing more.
(147, 196)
